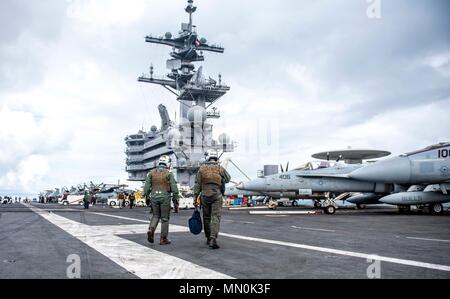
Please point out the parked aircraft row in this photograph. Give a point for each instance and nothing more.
(420, 178)
(103, 193)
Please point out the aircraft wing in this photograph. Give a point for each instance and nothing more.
(323, 175)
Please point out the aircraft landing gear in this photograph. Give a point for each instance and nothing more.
(273, 205)
(404, 209)
(360, 206)
(436, 208)
(317, 204)
(329, 206)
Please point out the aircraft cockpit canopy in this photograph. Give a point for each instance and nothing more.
(316, 165)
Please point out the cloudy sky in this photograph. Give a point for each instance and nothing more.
(315, 75)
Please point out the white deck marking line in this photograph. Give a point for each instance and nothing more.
(426, 239)
(60, 210)
(344, 252)
(131, 229)
(145, 262)
(124, 228)
(121, 217)
(247, 208)
(237, 221)
(315, 229)
(282, 212)
(341, 252)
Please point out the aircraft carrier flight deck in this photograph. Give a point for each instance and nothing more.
(39, 240)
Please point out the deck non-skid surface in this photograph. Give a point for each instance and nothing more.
(36, 240)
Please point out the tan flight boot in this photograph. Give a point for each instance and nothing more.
(164, 241)
(213, 244)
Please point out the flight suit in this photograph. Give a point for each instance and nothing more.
(210, 183)
(131, 198)
(161, 186)
(86, 200)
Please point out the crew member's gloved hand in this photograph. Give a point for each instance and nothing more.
(197, 201)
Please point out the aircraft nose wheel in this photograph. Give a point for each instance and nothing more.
(436, 208)
(329, 206)
(330, 210)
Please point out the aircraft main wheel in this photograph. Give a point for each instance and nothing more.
(65, 203)
(317, 204)
(404, 209)
(330, 210)
(436, 208)
(273, 206)
(360, 206)
(295, 203)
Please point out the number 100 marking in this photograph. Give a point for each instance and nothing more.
(443, 153)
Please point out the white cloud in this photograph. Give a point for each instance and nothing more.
(306, 83)
(322, 73)
(401, 130)
(27, 176)
(106, 12)
(22, 135)
(440, 62)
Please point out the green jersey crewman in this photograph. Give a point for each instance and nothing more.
(161, 187)
(210, 185)
(86, 199)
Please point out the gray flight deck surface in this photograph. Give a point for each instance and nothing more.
(33, 247)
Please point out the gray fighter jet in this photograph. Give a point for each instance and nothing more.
(306, 181)
(424, 176)
(108, 191)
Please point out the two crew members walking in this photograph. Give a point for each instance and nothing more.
(209, 190)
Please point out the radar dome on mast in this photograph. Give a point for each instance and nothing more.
(196, 114)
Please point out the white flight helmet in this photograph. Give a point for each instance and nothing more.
(164, 161)
(212, 154)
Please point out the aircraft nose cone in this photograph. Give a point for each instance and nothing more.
(240, 186)
(253, 185)
(395, 170)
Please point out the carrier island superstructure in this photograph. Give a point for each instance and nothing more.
(188, 140)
